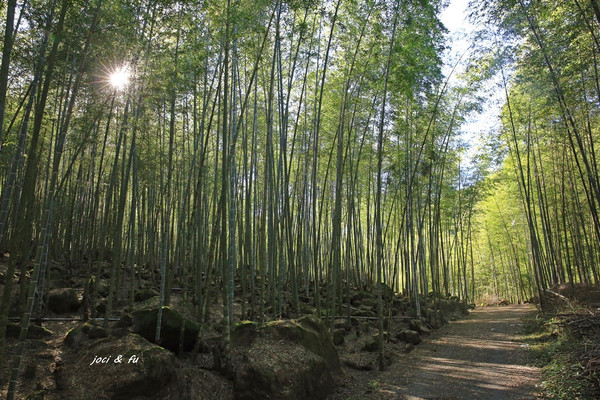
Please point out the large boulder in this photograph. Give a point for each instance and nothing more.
(127, 368)
(273, 369)
(309, 332)
(63, 300)
(409, 336)
(144, 323)
(288, 359)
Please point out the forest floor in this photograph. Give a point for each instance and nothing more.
(482, 356)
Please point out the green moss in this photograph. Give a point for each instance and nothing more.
(244, 323)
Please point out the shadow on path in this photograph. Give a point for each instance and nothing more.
(478, 358)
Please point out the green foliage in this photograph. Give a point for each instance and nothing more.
(556, 350)
(372, 386)
(147, 177)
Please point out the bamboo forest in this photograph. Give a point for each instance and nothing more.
(281, 199)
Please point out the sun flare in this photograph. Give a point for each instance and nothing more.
(119, 78)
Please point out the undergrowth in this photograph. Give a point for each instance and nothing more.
(562, 351)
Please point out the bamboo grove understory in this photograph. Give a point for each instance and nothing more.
(294, 149)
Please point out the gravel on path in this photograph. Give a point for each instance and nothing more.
(480, 357)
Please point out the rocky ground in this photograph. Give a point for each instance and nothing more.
(291, 358)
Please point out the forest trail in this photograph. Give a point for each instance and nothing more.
(479, 357)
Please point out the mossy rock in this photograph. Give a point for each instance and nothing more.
(144, 323)
(309, 332)
(13, 330)
(372, 343)
(285, 359)
(145, 294)
(275, 369)
(151, 302)
(342, 323)
(409, 336)
(77, 335)
(144, 370)
(243, 333)
(63, 300)
(419, 326)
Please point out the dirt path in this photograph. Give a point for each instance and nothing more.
(477, 358)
